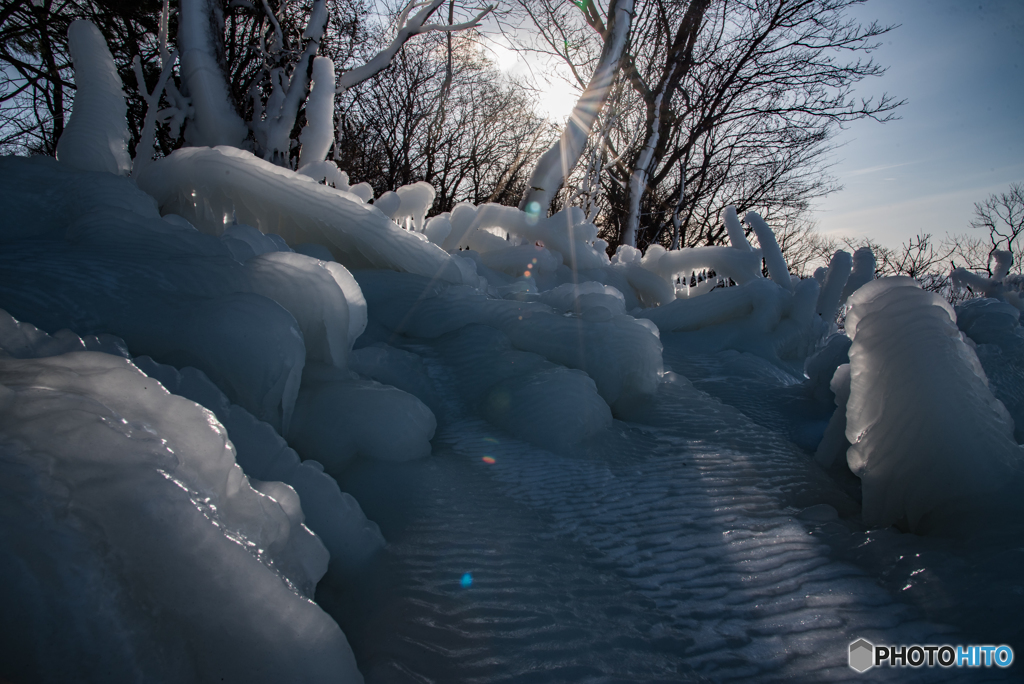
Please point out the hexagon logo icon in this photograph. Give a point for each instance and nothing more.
(862, 655)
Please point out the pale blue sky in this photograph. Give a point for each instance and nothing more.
(960, 66)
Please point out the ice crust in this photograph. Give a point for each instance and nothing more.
(929, 441)
(143, 486)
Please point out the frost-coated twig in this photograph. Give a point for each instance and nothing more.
(407, 28)
(145, 149)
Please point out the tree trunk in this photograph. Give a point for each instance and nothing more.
(215, 121)
(659, 108)
(555, 165)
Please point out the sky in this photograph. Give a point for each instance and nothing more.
(960, 67)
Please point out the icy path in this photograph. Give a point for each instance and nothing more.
(666, 552)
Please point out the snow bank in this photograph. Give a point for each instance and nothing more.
(210, 187)
(155, 544)
(96, 136)
(928, 440)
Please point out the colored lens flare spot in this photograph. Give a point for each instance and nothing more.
(466, 581)
(489, 460)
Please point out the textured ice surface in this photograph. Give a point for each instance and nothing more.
(263, 455)
(698, 546)
(155, 544)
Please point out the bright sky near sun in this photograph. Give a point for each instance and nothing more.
(960, 66)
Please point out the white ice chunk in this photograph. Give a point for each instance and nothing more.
(186, 541)
(737, 236)
(417, 199)
(832, 289)
(337, 418)
(863, 272)
(388, 204)
(96, 136)
(928, 440)
(206, 185)
(741, 266)
(778, 270)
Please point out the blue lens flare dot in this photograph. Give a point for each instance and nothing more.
(466, 581)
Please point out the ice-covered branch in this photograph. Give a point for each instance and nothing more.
(96, 137)
(407, 28)
(214, 120)
(144, 150)
(283, 106)
(556, 164)
(318, 134)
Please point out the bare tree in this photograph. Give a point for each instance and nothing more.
(730, 102)
(1002, 217)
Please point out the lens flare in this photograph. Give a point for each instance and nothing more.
(489, 460)
(532, 212)
(466, 581)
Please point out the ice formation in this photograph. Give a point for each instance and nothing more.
(928, 440)
(96, 136)
(170, 540)
(210, 186)
(251, 336)
(318, 134)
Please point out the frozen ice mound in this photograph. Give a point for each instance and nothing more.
(212, 186)
(41, 197)
(523, 393)
(338, 418)
(621, 355)
(759, 317)
(396, 367)
(335, 517)
(156, 546)
(933, 447)
(994, 326)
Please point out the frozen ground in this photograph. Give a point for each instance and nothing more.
(682, 549)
